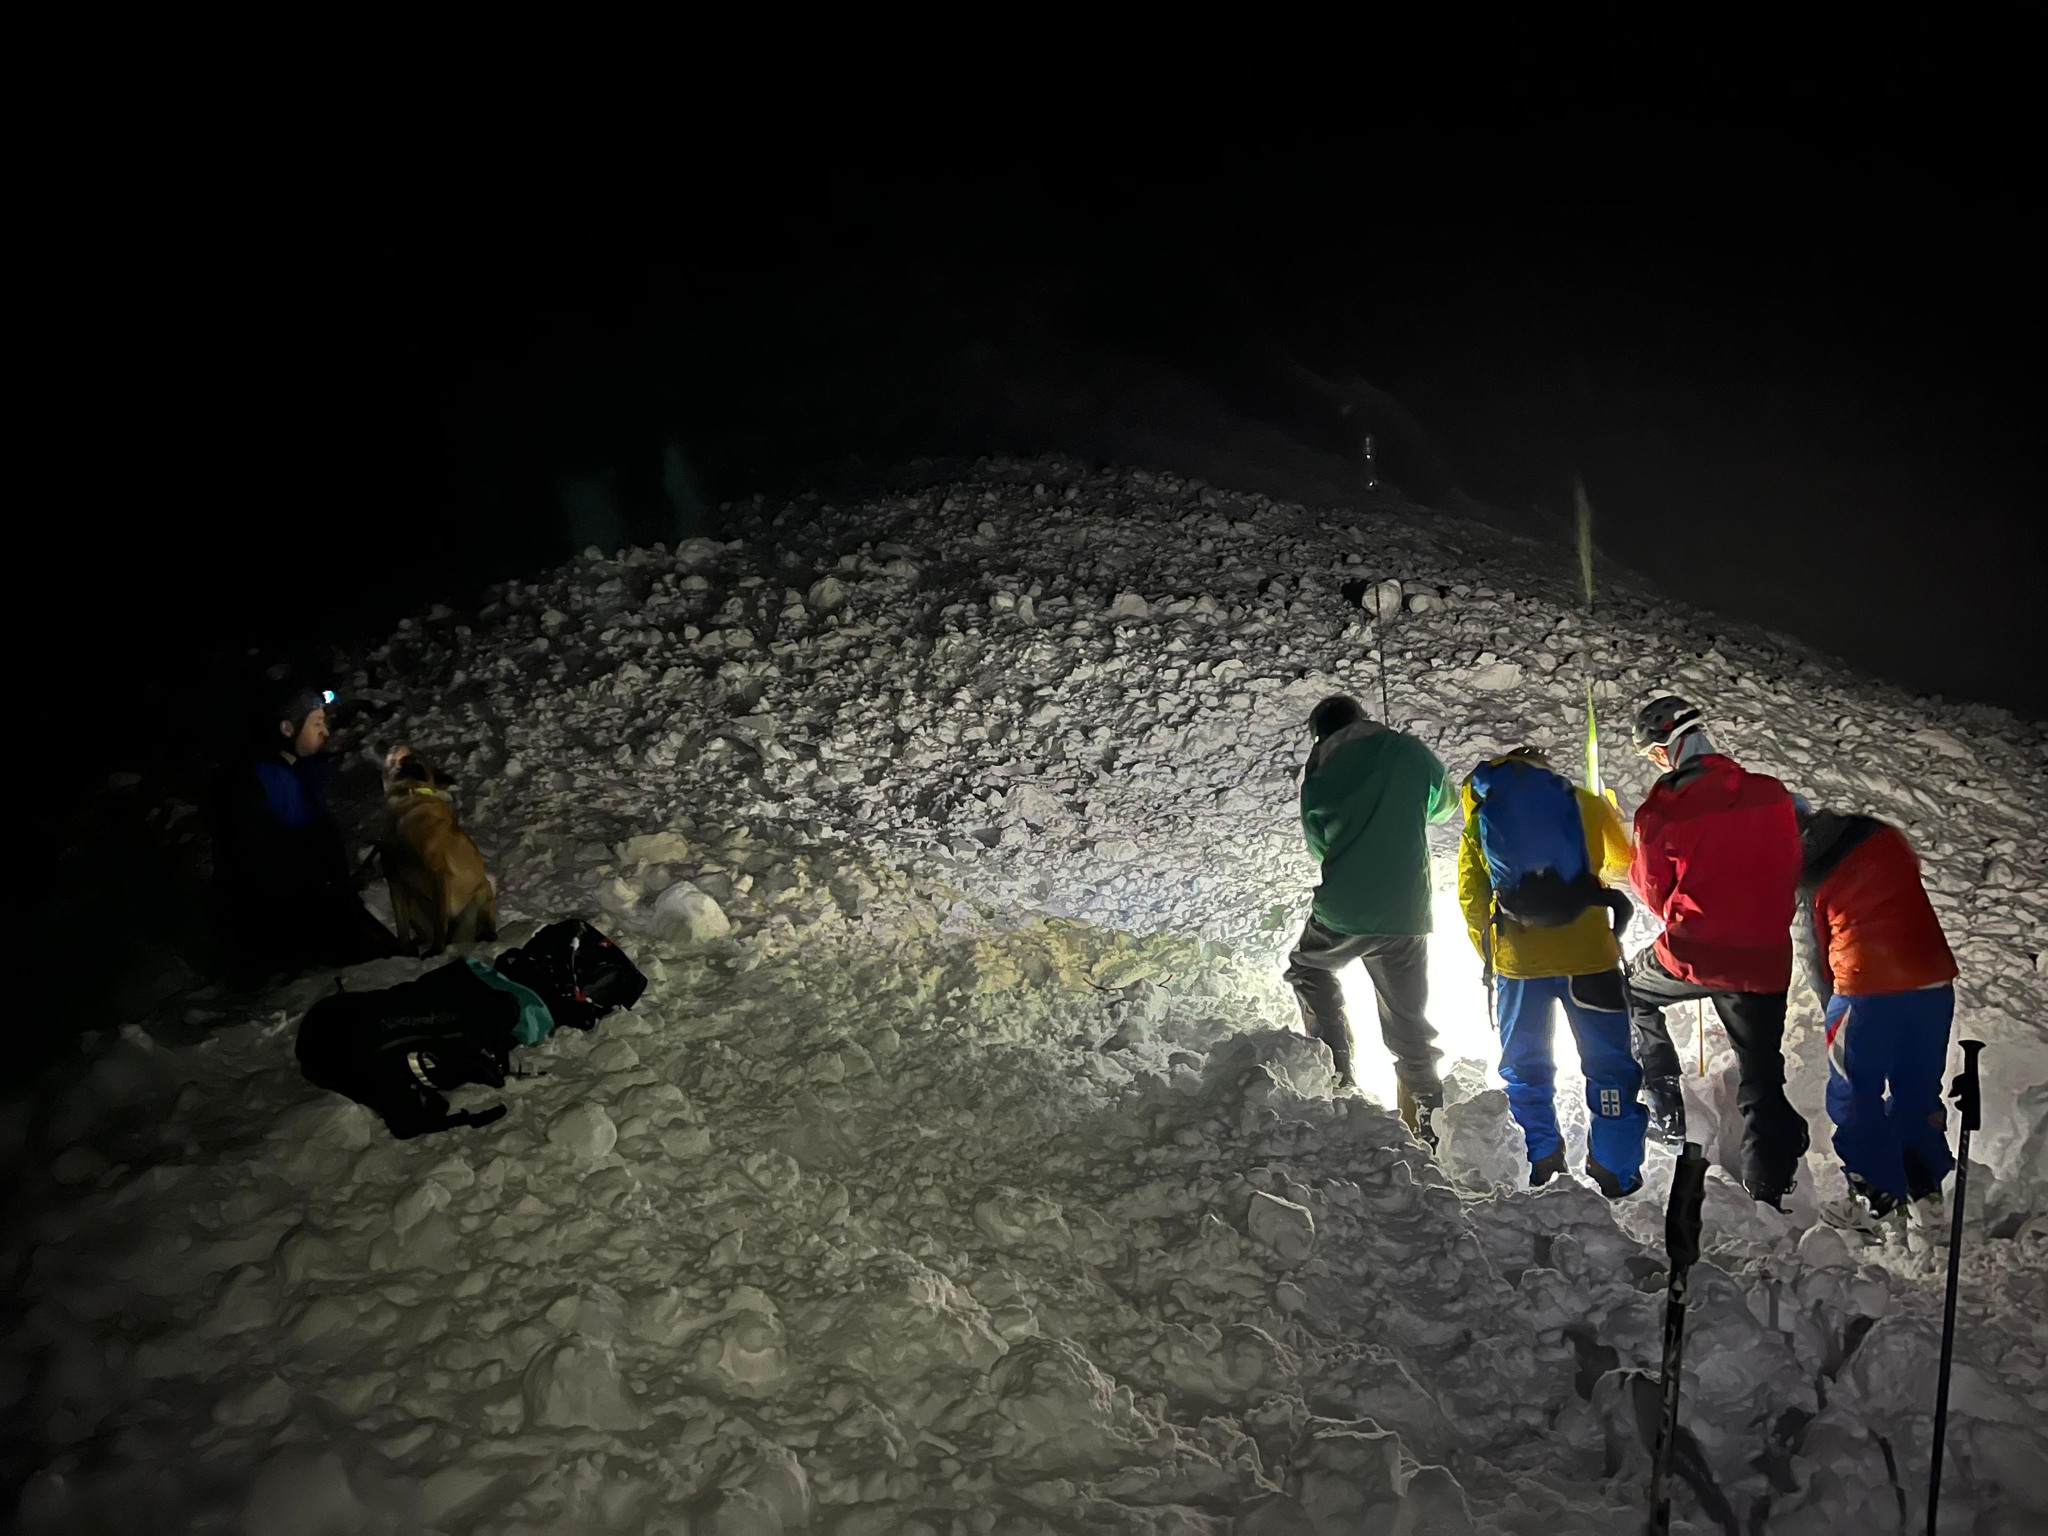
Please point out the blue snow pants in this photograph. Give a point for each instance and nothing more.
(1886, 1053)
(1597, 1007)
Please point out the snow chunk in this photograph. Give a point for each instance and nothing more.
(827, 595)
(773, 1496)
(1481, 1144)
(685, 912)
(746, 1352)
(586, 1132)
(655, 848)
(695, 554)
(1130, 605)
(1059, 1414)
(1282, 1226)
(418, 1203)
(576, 1385)
(301, 1494)
(1942, 742)
(267, 1402)
(1822, 1247)
(1271, 1064)
(333, 1122)
(903, 1321)
(1349, 1477)
(78, 1165)
(1497, 677)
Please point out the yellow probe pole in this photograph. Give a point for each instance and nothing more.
(1584, 527)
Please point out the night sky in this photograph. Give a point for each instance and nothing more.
(1828, 422)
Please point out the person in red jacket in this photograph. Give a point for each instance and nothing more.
(1718, 859)
(1881, 967)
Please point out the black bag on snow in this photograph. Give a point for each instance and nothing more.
(398, 1049)
(579, 973)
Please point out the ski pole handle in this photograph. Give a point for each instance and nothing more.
(1682, 1215)
(1968, 1100)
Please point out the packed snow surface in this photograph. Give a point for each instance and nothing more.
(963, 1168)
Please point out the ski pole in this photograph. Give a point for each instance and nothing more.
(1584, 521)
(1964, 1092)
(1379, 612)
(1682, 1245)
(1699, 1028)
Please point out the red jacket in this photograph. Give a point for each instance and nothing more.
(1873, 927)
(1717, 857)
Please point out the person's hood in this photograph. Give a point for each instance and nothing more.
(1828, 837)
(1336, 741)
(1695, 760)
(1692, 746)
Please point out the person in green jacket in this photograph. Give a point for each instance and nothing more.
(1367, 794)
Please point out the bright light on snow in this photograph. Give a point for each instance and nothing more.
(1457, 995)
(1457, 1001)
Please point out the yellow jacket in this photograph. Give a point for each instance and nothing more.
(1585, 944)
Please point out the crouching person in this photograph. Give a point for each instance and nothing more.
(285, 897)
(1530, 866)
(1881, 966)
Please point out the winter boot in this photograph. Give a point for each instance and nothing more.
(1874, 1200)
(1336, 1037)
(1417, 1112)
(1773, 1195)
(1610, 1186)
(1926, 1225)
(1666, 1102)
(1546, 1168)
(1863, 1210)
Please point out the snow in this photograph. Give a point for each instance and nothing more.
(685, 912)
(963, 1168)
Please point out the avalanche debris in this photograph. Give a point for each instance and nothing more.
(962, 1169)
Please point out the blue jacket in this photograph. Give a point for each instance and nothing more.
(278, 838)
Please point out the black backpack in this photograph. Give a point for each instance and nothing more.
(579, 973)
(399, 1049)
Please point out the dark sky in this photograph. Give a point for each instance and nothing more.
(1825, 420)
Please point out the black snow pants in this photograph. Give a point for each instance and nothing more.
(1774, 1136)
(1398, 966)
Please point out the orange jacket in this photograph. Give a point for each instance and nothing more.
(1872, 926)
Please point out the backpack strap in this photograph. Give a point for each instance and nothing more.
(1621, 910)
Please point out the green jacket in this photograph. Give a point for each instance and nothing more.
(1366, 796)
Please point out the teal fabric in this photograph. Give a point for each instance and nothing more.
(1366, 799)
(535, 1022)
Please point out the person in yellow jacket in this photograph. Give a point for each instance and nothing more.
(1530, 868)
